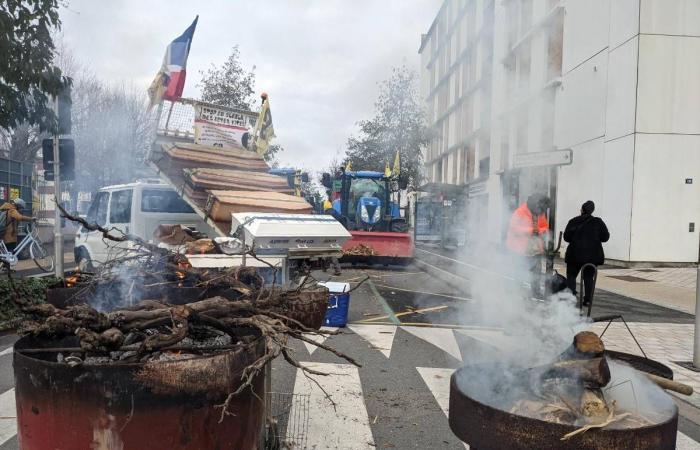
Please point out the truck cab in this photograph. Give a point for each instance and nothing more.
(134, 208)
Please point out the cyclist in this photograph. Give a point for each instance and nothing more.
(13, 215)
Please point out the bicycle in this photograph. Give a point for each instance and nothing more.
(37, 252)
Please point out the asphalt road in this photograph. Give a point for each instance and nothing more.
(408, 331)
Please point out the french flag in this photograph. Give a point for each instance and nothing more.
(175, 63)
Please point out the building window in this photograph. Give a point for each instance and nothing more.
(548, 120)
(524, 68)
(525, 16)
(521, 135)
(484, 167)
(555, 40)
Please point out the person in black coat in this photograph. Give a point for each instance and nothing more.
(585, 235)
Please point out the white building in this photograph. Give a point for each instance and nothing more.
(615, 81)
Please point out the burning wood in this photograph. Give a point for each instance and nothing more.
(131, 312)
(572, 390)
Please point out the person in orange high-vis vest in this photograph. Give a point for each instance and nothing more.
(526, 230)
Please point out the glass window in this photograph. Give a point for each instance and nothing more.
(120, 207)
(163, 201)
(98, 210)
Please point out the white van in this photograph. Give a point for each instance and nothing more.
(135, 208)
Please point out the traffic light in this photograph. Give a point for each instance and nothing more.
(64, 111)
(66, 155)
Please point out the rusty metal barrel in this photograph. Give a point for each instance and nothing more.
(168, 405)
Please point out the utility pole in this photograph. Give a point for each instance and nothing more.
(57, 234)
(696, 346)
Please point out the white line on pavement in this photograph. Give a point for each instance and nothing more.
(442, 338)
(345, 427)
(380, 336)
(320, 338)
(683, 442)
(8, 416)
(438, 382)
(7, 351)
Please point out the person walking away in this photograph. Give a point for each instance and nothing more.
(526, 230)
(585, 235)
(11, 214)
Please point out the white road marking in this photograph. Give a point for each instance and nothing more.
(438, 382)
(320, 338)
(683, 442)
(7, 351)
(442, 338)
(380, 336)
(493, 338)
(8, 416)
(347, 426)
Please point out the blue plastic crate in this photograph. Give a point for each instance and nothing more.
(338, 305)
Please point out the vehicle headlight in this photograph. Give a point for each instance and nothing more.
(377, 214)
(363, 214)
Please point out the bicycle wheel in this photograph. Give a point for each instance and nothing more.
(42, 258)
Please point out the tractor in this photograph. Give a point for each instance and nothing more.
(361, 201)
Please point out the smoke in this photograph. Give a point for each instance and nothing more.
(533, 333)
(634, 392)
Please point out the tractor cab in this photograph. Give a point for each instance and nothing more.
(362, 201)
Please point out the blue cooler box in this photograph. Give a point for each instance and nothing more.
(338, 304)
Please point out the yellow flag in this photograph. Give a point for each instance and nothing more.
(264, 132)
(348, 166)
(156, 89)
(397, 165)
(387, 170)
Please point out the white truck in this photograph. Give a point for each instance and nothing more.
(135, 208)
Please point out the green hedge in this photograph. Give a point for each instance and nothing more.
(32, 289)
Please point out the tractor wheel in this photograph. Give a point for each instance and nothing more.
(399, 226)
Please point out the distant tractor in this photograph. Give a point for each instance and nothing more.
(362, 203)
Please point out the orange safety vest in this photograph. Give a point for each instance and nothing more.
(520, 230)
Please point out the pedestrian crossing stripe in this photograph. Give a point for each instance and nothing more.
(343, 425)
(318, 338)
(441, 338)
(8, 416)
(381, 337)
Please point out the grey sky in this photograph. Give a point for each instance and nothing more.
(320, 61)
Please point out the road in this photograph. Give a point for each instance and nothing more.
(409, 331)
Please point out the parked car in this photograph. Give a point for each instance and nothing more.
(134, 208)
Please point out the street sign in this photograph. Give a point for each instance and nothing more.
(542, 159)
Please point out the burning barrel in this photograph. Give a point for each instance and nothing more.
(165, 404)
(482, 398)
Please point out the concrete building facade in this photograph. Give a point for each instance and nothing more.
(615, 81)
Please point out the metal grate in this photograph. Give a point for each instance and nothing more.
(290, 420)
(176, 119)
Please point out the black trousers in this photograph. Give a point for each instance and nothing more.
(572, 270)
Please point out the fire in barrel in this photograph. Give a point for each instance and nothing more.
(153, 354)
(585, 399)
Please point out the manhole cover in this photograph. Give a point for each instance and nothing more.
(630, 278)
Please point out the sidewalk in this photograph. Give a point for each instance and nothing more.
(668, 287)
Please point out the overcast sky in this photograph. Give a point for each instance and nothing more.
(320, 61)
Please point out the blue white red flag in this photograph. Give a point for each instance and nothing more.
(170, 80)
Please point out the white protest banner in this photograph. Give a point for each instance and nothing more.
(222, 127)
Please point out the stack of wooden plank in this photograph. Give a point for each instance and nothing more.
(184, 155)
(199, 181)
(224, 203)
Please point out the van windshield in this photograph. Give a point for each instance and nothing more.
(163, 201)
